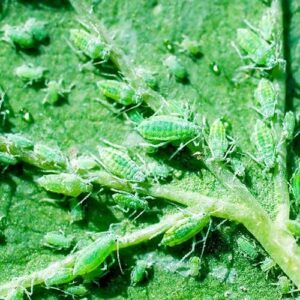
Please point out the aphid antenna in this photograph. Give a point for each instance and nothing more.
(125, 110)
(119, 147)
(118, 257)
(84, 199)
(239, 53)
(205, 238)
(110, 107)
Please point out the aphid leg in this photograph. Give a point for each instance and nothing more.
(205, 238)
(113, 145)
(135, 218)
(253, 28)
(154, 145)
(124, 210)
(235, 47)
(190, 252)
(109, 106)
(118, 257)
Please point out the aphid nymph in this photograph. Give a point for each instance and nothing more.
(30, 74)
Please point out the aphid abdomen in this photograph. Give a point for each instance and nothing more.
(266, 97)
(130, 201)
(265, 145)
(167, 128)
(94, 255)
(217, 140)
(61, 276)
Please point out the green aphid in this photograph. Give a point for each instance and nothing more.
(19, 141)
(191, 47)
(237, 167)
(159, 171)
(49, 157)
(15, 294)
(266, 96)
(267, 264)
(176, 68)
(120, 92)
(7, 159)
(167, 129)
(60, 276)
(18, 36)
(247, 248)
(284, 284)
(120, 164)
(139, 272)
(37, 29)
(148, 77)
(89, 45)
(76, 210)
(76, 290)
(30, 74)
(195, 265)
(294, 227)
(184, 230)
(296, 185)
(57, 240)
(289, 124)
(55, 91)
(135, 115)
(258, 50)
(217, 140)
(94, 255)
(65, 183)
(83, 164)
(129, 201)
(265, 144)
(267, 23)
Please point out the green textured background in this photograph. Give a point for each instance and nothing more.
(139, 27)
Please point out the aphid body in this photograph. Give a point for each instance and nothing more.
(266, 96)
(267, 264)
(7, 159)
(19, 141)
(265, 145)
(37, 29)
(289, 124)
(65, 183)
(83, 164)
(76, 290)
(166, 128)
(120, 92)
(76, 210)
(195, 264)
(55, 91)
(238, 167)
(30, 74)
(184, 230)
(176, 68)
(89, 45)
(57, 240)
(120, 164)
(247, 248)
(94, 255)
(139, 272)
(191, 47)
(60, 276)
(217, 140)
(284, 284)
(129, 201)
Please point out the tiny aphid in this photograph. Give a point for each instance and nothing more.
(259, 51)
(65, 183)
(130, 201)
(238, 167)
(83, 164)
(49, 157)
(15, 294)
(267, 23)
(37, 28)
(266, 96)
(120, 92)
(135, 115)
(76, 210)
(191, 47)
(120, 164)
(217, 140)
(195, 265)
(57, 240)
(167, 129)
(76, 290)
(7, 159)
(19, 141)
(265, 144)
(294, 227)
(288, 127)
(55, 91)
(267, 264)
(30, 74)
(176, 68)
(284, 284)
(60, 276)
(139, 272)
(94, 255)
(184, 230)
(148, 77)
(159, 171)
(247, 248)
(89, 45)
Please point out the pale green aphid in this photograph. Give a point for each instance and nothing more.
(7, 159)
(57, 240)
(159, 171)
(284, 284)
(30, 74)
(184, 230)
(167, 129)
(76, 210)
(148, 77)
(289, 124)
(130, 201)
(94, 255)
(266, 96)
(238, 167)
(15, 294)
(55, 91)
(195, 265)
(265, 144)
(83, 164)
(176, 68)
(267, 23)
(60, 276)
(247, 248)
(89, 45)
(49, 157)
(120, 164)
(65, 183)
(19, 141)
(120, 92)
(139, 272)
(294, 227)
(37, 29)
(190, 47)
(76, 290)
(217, 140)
(267, 264)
